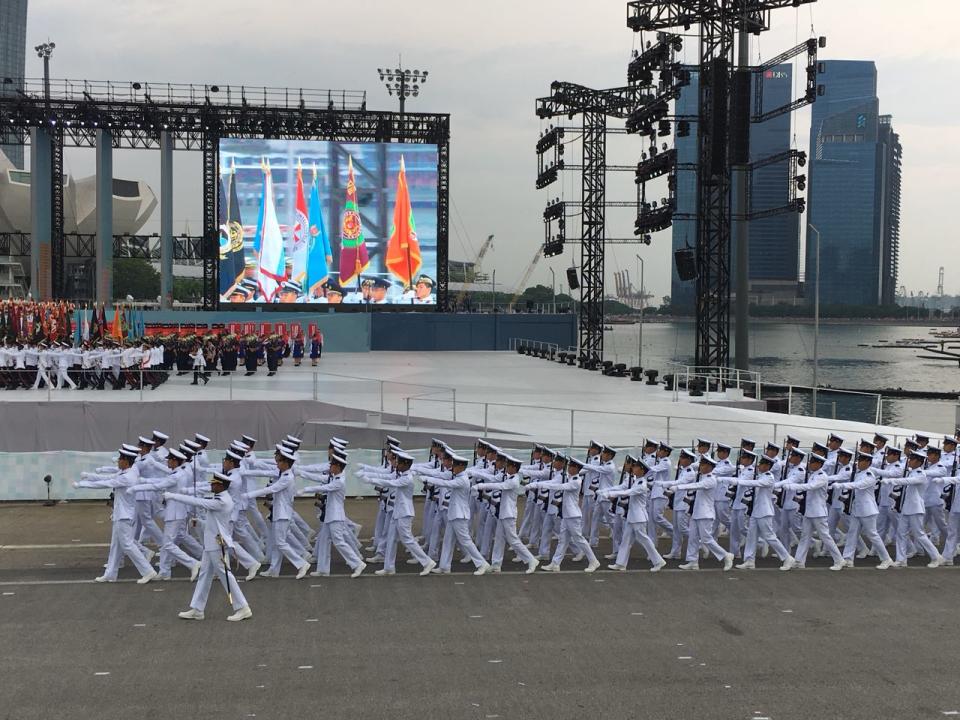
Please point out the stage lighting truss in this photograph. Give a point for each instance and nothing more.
(813, 88)
(656, 164)
(654, 58)
(796, 182)
(549, 164)
(555, 227)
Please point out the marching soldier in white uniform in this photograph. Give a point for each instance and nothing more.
(334, 530)
(910, 525)
(571, 526)
(282, 491)
(634, 491)
(124, 515)
(458, 517)
(702, 516)
(863, 517)
(758, 500)
(216, 559)
(811, 496)
(508, 488)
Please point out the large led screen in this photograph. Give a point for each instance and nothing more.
(305, 221)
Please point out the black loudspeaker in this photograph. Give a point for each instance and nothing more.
(572, 279)
(719, 96)
(740, 118)
(686, 264)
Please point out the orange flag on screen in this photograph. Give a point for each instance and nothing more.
(115, 329)
(403, 257)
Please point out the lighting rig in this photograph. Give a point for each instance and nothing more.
(554, 224)
(548, 169)
(723, 135)
(653, 120)
(594, 107)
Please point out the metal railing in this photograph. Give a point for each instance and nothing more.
(719, 378)
(109, 91)
(573, 427)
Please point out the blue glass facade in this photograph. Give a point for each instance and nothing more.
(851, 192)
(774, 241)
(13, 45)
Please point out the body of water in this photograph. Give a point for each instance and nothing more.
(783, 353)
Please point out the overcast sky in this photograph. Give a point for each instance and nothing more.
(488, 61)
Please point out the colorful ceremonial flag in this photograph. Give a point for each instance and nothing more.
(403, 257)
(85, 330)
(225, 269)
(272, 268)
(320, 254)
(299, 241)
(353, 247)
(116, 329)
(78, 329)
(235, 224)
(95, 324)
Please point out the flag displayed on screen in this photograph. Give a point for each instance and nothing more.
(225, 269)
(272, 259)
(235, 226)
(353, 247)
(403, 250)
(320, 254)
(299, 240)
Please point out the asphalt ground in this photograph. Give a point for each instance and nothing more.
(761, 644)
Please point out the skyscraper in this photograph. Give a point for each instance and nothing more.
(854, 194)
(13, 46)
(774, 241)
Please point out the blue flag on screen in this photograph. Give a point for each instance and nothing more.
(321, 255)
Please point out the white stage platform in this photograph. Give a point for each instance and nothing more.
(507, 393)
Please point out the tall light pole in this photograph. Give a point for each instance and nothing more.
(640, 340)
(493, 290)
(44, 51)
(816, 317)
(553, 290)
(403, 83)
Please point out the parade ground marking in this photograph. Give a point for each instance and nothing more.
(304, 667)
(101, 673)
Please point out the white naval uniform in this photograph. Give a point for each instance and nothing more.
(636, 489)
(863, 516)
(509, 489)
(570, 516)
(700, 532)
(124, 514)
(660, 469)
(216, 530)
(458, 521)
(910, 524)
(814, 515)
(760, 523)
(174, 520)
(334, 528)
(401, 522)
(282, 489)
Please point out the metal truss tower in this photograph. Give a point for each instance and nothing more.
(719, 23)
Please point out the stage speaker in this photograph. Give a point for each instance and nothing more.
(686, 264)
(572, 279)
(740, 118)
(719, 79)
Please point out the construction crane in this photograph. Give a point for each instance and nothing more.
(487, 244)
(518, 290)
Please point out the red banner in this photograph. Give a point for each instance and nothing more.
(235, 328)
(249, 328)
(265, 329)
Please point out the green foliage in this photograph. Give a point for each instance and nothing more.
(187, 289)
(135, 277)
